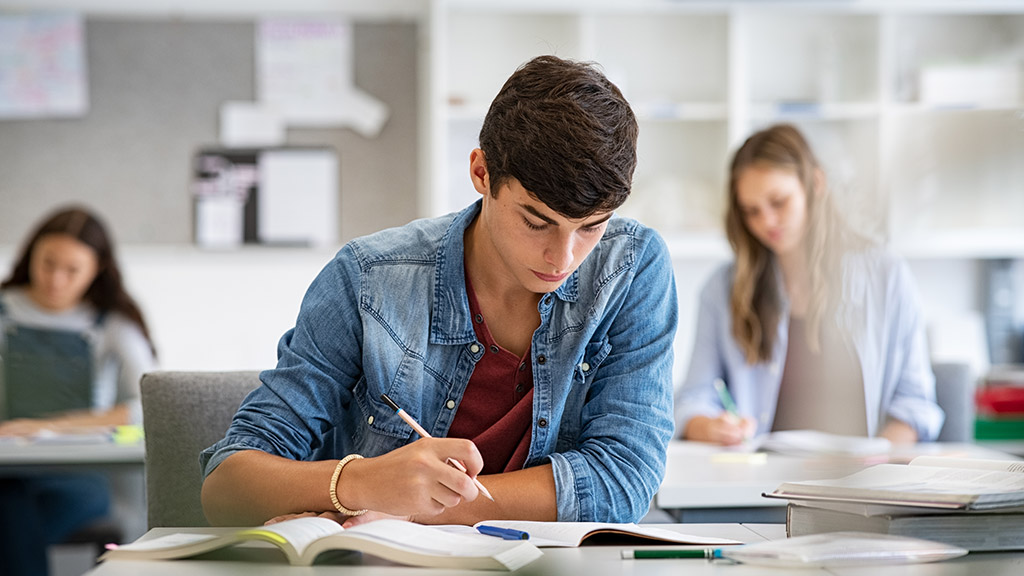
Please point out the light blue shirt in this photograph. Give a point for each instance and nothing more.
(881, 317)
(390, 314)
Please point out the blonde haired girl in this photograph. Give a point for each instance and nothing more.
(812, 326)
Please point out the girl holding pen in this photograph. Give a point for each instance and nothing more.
(811, 326)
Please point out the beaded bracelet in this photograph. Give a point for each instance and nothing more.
(334, 486)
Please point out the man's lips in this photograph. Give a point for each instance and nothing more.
(551, 277)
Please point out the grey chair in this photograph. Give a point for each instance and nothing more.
(183, 413)
(954, 392)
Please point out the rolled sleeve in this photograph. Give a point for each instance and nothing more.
(914, 399)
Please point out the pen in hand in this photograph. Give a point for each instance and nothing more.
(423, 433)
(726, 398)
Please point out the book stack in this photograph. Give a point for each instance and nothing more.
(972, 503)
(1000, 407)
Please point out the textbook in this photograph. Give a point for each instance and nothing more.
(926, 482)
(572, 534)
(974, 531)
(303, 539)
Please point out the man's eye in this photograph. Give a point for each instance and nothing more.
(533, 226)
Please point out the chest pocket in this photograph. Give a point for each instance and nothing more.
(583, 376)
(46, 372)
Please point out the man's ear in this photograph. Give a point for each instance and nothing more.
(478, 172)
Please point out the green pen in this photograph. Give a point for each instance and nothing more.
(709, 553)
(726, 398)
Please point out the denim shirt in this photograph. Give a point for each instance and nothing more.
(881, 318)
(390, 314)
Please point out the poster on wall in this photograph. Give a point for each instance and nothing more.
(42, 66)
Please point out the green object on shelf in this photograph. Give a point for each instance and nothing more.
(998, 428)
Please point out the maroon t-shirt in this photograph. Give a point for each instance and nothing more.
(496, 411)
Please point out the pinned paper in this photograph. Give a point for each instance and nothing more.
(304, 69)
(250, 125)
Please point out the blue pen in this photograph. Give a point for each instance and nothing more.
(503, 533)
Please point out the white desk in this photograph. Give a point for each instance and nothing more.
(706, 483)
(24, 455)
(123, 464)
(589, 560)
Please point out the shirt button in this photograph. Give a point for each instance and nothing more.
(450, 404)
(541, 359)
(519, 389)
(522, 366)
(585, 367)
(547, 300)
(369, 420)
(494, 348)
(543, 422)
(474, 348)
(479, 318)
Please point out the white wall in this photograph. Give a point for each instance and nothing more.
(215, 310)
(227, 310)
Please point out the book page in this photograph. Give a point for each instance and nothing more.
(812, 442)
(418, 545)
(972, 463)
(572, 534)
(299, 532)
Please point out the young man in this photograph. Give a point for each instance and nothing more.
(530, 335)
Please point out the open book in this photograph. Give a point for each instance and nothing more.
(303, 539)
(927, 482)
(815, 443)
(572, 534)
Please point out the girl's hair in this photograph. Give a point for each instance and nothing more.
(756, 301)
(107, 291)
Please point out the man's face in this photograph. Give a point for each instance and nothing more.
(537, 246)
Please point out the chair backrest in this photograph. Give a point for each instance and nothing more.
(954, 392)
(184, 413)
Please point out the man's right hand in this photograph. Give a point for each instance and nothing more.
(414, 480)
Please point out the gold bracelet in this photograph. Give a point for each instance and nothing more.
(334, 486)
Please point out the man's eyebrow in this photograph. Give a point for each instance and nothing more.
(536, 213)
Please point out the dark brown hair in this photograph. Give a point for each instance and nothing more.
(566, 133)
(107, 291)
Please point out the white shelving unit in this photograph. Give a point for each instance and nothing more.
(933, 171)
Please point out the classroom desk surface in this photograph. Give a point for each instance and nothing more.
(707, 483)
(20, 454)
(122, 464)
(589, 560)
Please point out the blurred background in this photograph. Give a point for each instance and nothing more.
(233, 146)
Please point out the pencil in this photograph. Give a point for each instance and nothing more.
(709, 553)
(423, 433)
